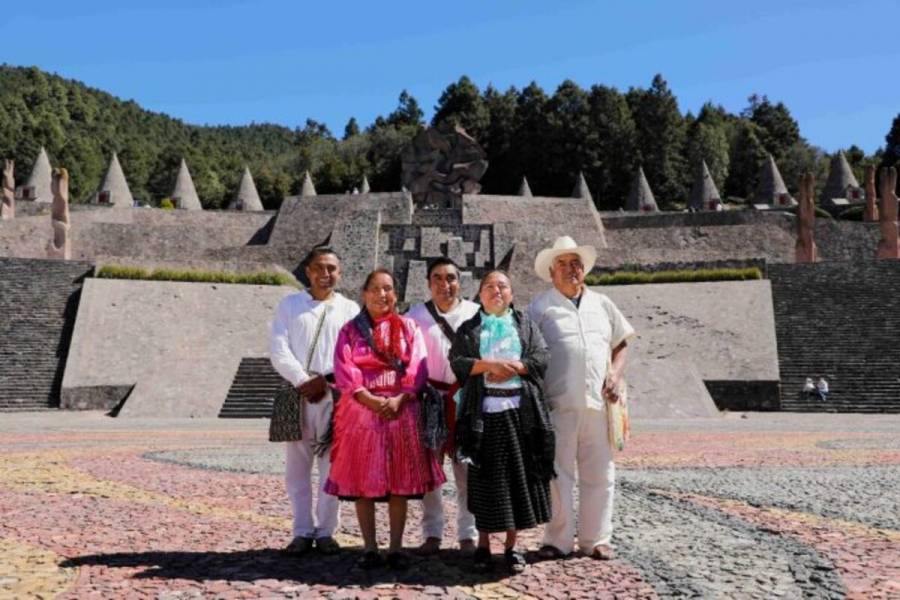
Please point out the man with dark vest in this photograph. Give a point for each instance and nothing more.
(439, 318)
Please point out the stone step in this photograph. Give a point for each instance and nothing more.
(839, 320)
(38, 303)
(252, 389)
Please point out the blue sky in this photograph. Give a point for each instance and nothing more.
(835, 64)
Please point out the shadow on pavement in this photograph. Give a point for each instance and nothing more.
(447, 568)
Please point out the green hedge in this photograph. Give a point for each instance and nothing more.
(854, 213)
(680, 276)
(258, 278)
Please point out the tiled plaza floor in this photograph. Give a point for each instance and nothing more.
(772, 505)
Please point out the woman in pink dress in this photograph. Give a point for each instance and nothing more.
(378, 454)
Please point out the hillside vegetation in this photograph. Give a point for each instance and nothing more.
(548, 137)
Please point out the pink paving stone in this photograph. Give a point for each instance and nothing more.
(84, 525)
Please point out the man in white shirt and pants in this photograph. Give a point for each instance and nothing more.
(305, 331)
(447, 306)
(586, 333)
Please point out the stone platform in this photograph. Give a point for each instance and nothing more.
(766, 506)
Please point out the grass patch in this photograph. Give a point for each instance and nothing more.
(676, 276)
(197, 276)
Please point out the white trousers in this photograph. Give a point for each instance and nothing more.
(581, 440)
(298, 472)
(433, 509)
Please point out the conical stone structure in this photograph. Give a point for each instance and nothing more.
(308, 188)
(185, 194)
(37, 188)
(247, 197)
(114, 189)
(581, 188)
(524, 188)
(640, 197)
(704, 193)
(841, 182)
(770, 188)
(364, 188)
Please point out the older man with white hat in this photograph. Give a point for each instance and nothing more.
(587, 336)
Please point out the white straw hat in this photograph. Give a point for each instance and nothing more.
(563, 245)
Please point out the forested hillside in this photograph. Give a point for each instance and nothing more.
(547, 137)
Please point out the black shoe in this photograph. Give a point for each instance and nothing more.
(397, 561)
(481, 560)
(327, 545)
(299, 546)
(370, 559)
(515, 561)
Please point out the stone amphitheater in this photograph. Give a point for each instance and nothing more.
(69, 340)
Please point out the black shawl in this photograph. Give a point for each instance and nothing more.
(538, 439)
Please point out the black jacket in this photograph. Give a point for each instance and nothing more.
(538, 440)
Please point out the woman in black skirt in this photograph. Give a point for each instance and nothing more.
(503, 429)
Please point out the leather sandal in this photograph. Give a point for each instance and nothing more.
(549, 552)
(515, 561)
(602, 552)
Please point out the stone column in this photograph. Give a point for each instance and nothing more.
(59, 246)
(889, 246)
(871, 213)
(8, 204)
(805, 250)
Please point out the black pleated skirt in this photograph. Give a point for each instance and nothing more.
(500, 494)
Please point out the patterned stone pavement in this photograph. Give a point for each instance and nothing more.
(769, 506)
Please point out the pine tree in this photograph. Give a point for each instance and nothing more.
(501, 176)
(746, 157)
(407, 112)
(461, 104)
(351, 128)
(708, 141)
(616, 139)
(891, 155)
(531, 130)
(778, 130)
(571, 147)
(661, 138)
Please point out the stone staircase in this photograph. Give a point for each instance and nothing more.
(252, 391)
(38, 303)
(841, 321)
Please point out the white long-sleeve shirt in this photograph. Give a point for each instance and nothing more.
(294, 327)
(435, 341)
(581, 340)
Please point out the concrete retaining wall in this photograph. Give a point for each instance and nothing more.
(724, 330)
(142, 233)
(178, 344)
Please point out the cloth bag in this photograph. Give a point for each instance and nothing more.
(618, 424)
(286, 424)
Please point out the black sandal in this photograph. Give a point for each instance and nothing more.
(515, 561)
(481, 559)
(370, 559)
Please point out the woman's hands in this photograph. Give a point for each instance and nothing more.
(385, 407)
(499, 371)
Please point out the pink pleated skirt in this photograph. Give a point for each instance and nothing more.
(377, 458)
